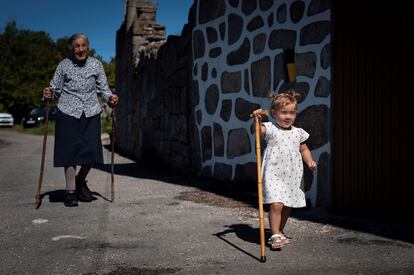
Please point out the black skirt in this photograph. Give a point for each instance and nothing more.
(77, 140)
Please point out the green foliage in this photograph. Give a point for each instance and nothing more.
(110, 72)
(106, 125)
(62, 46)
(27, 63)
(37, 130)
(28, 60)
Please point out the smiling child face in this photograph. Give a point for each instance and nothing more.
(285, 116)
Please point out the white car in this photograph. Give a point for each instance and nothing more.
(6, 119)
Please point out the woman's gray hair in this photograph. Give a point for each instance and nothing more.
(76, 36)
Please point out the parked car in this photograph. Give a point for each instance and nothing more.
(37, 117)
(6, 119)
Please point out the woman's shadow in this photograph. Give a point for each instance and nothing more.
(244, 232)
(58, 196)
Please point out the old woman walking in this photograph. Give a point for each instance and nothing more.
(76, 85)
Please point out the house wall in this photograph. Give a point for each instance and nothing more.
(239, 51)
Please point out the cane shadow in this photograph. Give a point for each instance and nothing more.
(58, 196)
(244, 232)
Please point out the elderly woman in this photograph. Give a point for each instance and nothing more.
(76, 84)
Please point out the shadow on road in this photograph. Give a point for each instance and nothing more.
(244, 232)
(59, 196)
(243, 193)
(399, 227)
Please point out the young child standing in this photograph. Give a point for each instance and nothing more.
(282, 163)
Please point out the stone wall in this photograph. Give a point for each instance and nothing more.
(241, 52)
(188, 103)
(154, 115)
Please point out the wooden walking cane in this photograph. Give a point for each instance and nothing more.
(260, 191)
(42, 162)
(112, 156)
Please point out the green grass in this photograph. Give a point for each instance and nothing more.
(37, 130)
(106, 127)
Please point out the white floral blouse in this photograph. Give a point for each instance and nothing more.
(282, 166)
(77, 87)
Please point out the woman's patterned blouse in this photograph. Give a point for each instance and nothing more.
(77, 87)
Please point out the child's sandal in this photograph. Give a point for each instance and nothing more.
(275, 241)
(285, 239)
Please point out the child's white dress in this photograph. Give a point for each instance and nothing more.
(282, 166)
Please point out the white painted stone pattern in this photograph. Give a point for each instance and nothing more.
(298, 17)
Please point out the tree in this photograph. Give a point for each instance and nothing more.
(28, 61)
(110, 72)
(62, 47)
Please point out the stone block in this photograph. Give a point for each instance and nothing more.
(241, 55)
(238, 143)
(218, 140)
(314, 33)
(222, 171)
(282, 39)
(235, 28)
(260, 74)
(315, 120)
(244, 108)
(230, 82)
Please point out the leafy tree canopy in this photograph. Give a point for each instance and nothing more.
(28, 60)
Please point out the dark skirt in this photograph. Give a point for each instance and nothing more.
(77, 140)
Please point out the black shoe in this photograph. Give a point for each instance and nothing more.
(70, 199)
(84, 194)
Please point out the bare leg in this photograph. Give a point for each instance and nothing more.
(70, 174)
(285, 215)
(275, 215)
(83, 172)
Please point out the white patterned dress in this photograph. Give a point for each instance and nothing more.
(282, 166)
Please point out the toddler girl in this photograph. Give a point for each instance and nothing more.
(282, 163)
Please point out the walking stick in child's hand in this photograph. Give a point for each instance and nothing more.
(259, 190)
(112, 155)
(42, 162)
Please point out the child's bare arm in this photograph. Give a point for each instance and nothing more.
(307, 156)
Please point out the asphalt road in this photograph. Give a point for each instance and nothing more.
(164, 224)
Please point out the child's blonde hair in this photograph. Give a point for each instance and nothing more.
(279, 101)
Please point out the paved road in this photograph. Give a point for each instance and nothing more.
(160, 224)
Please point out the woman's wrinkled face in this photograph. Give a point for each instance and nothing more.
(80, 49)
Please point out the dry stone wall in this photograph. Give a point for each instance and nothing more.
(154, 82)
